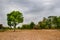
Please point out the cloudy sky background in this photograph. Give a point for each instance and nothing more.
(33, 10)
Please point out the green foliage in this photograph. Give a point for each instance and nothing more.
(25, 26)
(32, 25)
(19, 28)
(14, 18)
(6, 28)
(52, 22)
(28, 26)
(1, 27)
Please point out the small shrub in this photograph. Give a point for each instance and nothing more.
(19, 28)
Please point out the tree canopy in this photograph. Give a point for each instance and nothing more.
(14, 18)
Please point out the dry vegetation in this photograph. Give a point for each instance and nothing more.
(30, 35)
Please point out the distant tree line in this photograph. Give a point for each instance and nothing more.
(52, 22)
(28, 26)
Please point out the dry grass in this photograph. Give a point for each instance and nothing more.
(30, 35)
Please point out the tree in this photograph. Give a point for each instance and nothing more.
(58, 22)
(8, 20)
(55, 21)
(43, 23)
(32, 25)
(14, 18)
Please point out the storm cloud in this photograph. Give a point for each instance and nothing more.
(33, 10)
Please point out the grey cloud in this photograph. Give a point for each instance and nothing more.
(37, 9)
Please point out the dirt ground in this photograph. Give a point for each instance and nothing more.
(30, 35)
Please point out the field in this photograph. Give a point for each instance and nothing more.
(30, 35)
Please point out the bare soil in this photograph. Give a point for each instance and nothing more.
(30, 35)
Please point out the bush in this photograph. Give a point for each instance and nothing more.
(6, 28)
(1, 26)
(36, 27)
(25, 26)
(32, 25)
(19, 28)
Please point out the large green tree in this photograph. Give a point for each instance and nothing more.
(14, 18)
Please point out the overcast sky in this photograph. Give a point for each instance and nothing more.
(33, 10)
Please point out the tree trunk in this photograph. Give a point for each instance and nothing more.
(14, 28)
